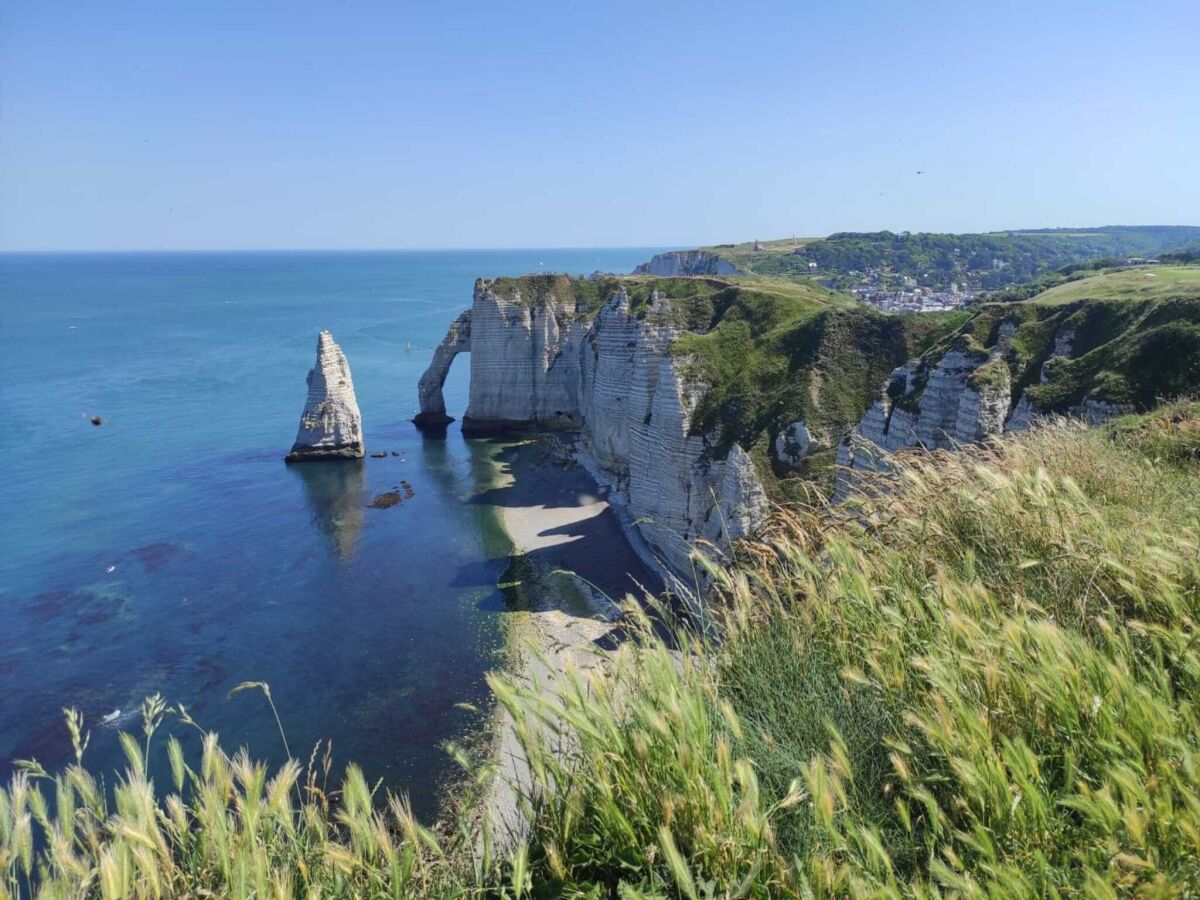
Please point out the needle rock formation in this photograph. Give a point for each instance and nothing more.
(331, 425)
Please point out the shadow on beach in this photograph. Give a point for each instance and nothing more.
(543, 484)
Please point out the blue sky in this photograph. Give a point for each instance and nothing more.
(165, 125)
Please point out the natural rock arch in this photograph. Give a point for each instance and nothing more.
(429, 388)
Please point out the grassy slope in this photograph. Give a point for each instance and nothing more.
(1137, 283)
(768, 366)
(978, 679)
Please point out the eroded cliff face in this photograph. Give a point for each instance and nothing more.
(963, 394)
(611, 374)
(687, 262)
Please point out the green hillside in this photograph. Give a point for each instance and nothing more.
(824, 367)
(982, 261)
(1135, 339)
(1137, 282)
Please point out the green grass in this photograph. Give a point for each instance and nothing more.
(1133, 283)
(810, 355)
(976, 679)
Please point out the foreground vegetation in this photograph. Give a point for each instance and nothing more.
(977, 678)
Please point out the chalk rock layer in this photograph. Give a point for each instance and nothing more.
(331, 425)
(793, 444)
(960, 395)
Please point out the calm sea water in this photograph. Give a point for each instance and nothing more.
(171, 550)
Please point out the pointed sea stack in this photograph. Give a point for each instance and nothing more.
(331, 425)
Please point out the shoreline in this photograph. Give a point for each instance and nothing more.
(560, 619)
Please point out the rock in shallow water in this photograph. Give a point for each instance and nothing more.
(331, 425)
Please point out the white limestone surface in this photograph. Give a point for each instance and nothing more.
(331, 425)
(687, 262)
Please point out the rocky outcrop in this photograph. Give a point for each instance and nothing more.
(525, 362)
(331, 425)
(793, 444)
(611, 374)
(687, 262)
(963, 394)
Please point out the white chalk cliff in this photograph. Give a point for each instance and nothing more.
(331, 425)
(612, 376)
(962, 395)
(686, 262)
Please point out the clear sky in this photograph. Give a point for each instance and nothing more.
(334, 124)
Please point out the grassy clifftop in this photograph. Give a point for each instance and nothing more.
(699, 302)
(1134, 283)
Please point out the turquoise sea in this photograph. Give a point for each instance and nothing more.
(170, 549)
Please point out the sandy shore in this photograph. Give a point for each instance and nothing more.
(574, 558)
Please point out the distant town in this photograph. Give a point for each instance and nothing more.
(916, 300)
(886, 291)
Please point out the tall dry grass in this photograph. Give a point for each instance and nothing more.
(976, 678)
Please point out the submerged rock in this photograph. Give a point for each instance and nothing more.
(386, 500)
(331, 425)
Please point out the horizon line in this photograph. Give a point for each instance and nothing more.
(4, 251)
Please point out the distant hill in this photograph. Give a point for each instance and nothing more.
(974, 262)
